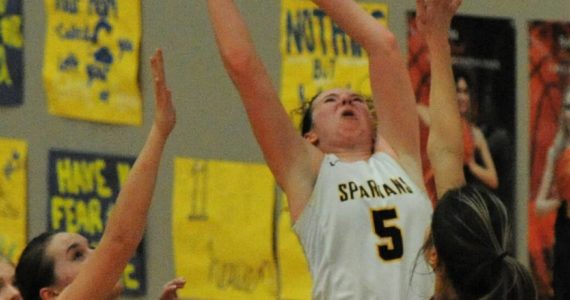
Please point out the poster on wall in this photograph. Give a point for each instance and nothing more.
(318, 55)
(483, 57)
(11, 53)
(13, 206)
(222, 229)
(91, 60)
(549, 67)
(82, 189)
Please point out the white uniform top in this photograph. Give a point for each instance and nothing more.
(362, 231)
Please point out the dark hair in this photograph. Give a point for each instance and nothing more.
(34, 269)
(306, 112)
(470, 231)
(460, 73)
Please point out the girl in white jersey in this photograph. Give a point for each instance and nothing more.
(354, 188)
(468, 239)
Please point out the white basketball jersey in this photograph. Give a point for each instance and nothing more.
(362, 231)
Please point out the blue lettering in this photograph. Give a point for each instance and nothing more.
(68, 6)
(101, 25)
(301, 30)
(96, 73)
(323, 68)
(321, 17)
(125, 45)
(104, 96)
(103, 7)
(74, 32)
(378, 15)
(69, 63)
(336, 33)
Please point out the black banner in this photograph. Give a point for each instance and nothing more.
(11, 53)
(82, 191)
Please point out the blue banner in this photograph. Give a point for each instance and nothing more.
(82, 191)
(11, 53)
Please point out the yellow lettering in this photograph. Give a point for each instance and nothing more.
(128, 281)
(95, 215)
(56, 215)
(75, 215)
(102, 189)
(65, 184)
(122, 172)
(4, 74)
(70, 220)
(81, 217)
(82, 176)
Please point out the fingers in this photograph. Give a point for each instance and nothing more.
(175, 284)
(161, 91)
(169, 291)
(157, 64)
(165, 114)
(434, 16)
(157, 67)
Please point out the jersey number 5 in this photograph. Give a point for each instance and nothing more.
(385, 228)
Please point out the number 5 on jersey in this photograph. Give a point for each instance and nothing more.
(391, 244)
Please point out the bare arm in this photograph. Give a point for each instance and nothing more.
(125, 227)
(545, 204)
(445, 141)
(390, 82)
(292, 160)
(486, 172)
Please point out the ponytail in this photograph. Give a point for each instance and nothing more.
(471, 233)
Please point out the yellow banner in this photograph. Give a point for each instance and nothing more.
(13, 187)
(317, 55)
(222, 229)
(294, 272)
(91, 60)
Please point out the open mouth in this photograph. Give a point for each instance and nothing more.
(348, 113)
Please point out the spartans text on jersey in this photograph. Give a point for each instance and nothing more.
(352, 190)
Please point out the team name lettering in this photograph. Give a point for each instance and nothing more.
(371, 189)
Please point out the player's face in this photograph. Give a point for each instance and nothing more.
(69, 252)
(463, 98)
(7, 289)
(341, 111)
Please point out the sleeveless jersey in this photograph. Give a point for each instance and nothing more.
(362, 231)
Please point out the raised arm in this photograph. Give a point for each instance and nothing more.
(390, 82)
(125, 227)
(292, 160)
(545, 204)
(445, 141)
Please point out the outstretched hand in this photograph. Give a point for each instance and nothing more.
(165, 115)
(170, 289)
(433, 17)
